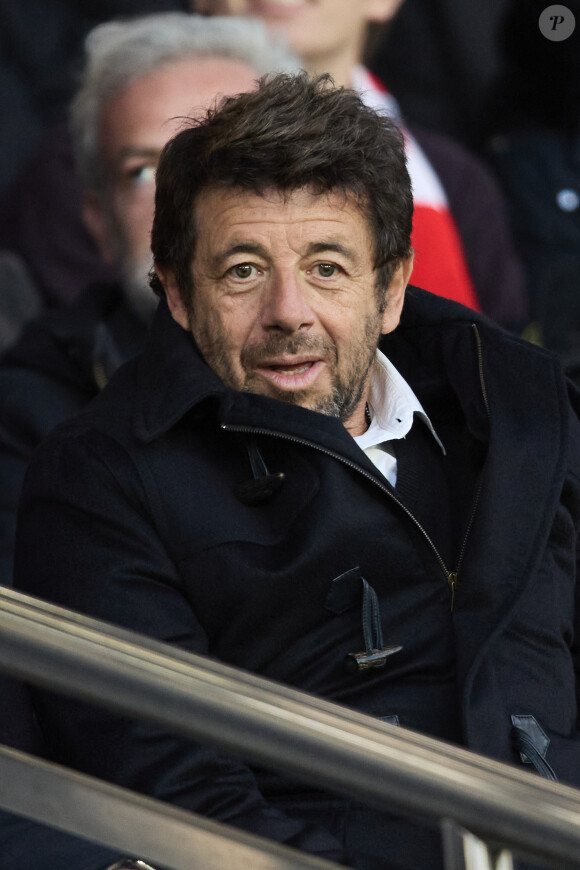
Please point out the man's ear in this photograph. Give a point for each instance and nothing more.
(98, 224)
(381, 11)
(173, 296)
(396, 294)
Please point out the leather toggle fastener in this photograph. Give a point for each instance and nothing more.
(375, 653)
(375, 658)
(263, 485)
(257, 491)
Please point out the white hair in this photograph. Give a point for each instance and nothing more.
(119, 52)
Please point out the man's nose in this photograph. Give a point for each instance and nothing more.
(286, 305)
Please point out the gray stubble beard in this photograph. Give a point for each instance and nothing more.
(345, 395)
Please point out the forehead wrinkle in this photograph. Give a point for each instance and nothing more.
(235, 221)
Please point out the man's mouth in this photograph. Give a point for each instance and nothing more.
(291, 369)
(290, 375)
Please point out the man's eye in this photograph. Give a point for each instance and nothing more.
(243, 270)
(327, 270)
(141, 174)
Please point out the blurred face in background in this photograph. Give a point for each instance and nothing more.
(134, 127)
(328, 35)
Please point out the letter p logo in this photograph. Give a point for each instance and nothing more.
(557, 23)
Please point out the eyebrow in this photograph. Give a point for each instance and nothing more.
(135, 151)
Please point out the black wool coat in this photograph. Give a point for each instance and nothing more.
(62, 361)
(58, 365)
(154, 510)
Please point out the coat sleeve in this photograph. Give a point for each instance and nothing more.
(86, 541)
(564, 751)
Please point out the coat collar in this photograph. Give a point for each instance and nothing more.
(526, 431)
(173, 379)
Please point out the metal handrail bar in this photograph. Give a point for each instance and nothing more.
(288, 730)
(134, 824)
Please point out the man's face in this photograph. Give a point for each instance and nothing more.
(134, 127)
(285, 301)
(315, 29)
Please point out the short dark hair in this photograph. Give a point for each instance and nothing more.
(293, 132)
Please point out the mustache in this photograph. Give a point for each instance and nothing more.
(278, 344)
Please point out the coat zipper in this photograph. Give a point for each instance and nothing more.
(452, 577)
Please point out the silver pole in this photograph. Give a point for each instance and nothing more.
(464, 851)
(288, 730)
(135, 825)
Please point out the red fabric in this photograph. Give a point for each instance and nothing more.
(439, 260)
(440, 263)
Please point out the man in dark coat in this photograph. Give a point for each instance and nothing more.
(302, 436)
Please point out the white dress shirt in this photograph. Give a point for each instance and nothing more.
(392, 405)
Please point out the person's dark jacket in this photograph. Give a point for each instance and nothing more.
(60, 363)
(144, 511)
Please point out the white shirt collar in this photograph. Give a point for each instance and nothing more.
(392, 404)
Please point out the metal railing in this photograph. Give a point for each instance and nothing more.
(290, 731)
(132, 824)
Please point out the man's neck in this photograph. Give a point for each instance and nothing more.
(358, 422)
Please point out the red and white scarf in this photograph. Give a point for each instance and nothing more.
(440, 264)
